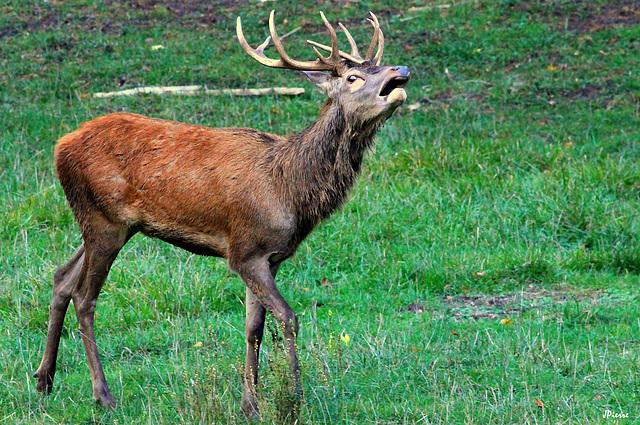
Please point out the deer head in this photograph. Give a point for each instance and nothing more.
(366, 91)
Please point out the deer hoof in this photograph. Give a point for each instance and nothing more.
(105, 399)
(45, 382)
(250, 408)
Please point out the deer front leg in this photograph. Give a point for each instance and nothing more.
(101, 251)
(261, 285)
(64, 281)
(254, 330)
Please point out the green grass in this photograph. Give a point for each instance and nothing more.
(507, 187)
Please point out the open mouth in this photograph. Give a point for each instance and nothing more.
(394, 83)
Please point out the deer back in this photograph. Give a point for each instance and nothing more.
(186, 184)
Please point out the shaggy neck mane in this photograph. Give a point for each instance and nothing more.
(317, 167)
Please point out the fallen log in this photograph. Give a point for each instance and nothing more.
(193, 90)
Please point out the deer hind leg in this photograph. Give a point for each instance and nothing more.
(259, 279)
(103, 243)
(64, 282)
(254, 330)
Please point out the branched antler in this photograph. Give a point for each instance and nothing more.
(331, 63)
(285, 61)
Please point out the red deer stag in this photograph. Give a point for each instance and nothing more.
(248, 196)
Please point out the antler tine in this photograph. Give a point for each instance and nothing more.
(347, 56)
(335, 52)
(378, 58)
(284, 57)
(320, 57)
(378, 39)
(257, 54)
(352, 42)
(260, 48)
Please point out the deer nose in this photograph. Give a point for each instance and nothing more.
(402, 70)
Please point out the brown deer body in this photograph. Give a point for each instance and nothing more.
(248, 196)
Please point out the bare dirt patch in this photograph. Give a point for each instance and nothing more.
(591, 18)
(493, 307)
(589, 91)
(189, 11)
(112, 15)
(581, 16)
(487, 307)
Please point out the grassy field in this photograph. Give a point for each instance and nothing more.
(485, 269)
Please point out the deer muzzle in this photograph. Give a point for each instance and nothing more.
(393, 87)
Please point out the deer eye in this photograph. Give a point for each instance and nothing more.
(353, 78)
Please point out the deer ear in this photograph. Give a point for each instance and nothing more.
(320, 79)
